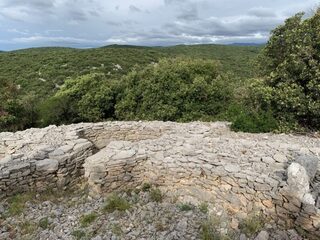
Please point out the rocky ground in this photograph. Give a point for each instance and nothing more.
(141, 213)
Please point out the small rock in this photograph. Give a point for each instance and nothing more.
(242, 237)
(280, 158)
(263, 235)
(232, 168)
(47, 165)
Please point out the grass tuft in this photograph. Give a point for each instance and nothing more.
(203, 207)
(146, 187)
(210, 230)
(252, 224)
(17, 203)
(87, 219)
(156, 195)
(114, 203)
(44, 223)
(185, 207)
(78, 234)
(116, 230)
(28, 228)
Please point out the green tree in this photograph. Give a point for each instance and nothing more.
(290, 65)
(178, 89)
(16, 113)
(87, 98)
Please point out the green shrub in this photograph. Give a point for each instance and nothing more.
(44, 223)
(156, 195)
(87, 219)
(86, 98)
(210, 230)
(115, 202)
(78, 234)
(255, 122)
(203, 207)
(146, 187)
(58, 110)
(185, 207)
(178, 89)
(116, 230)
(252, 224)
(17, 203)
(28, 228)
(291, 68)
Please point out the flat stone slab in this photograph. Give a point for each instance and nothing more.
(47, 165)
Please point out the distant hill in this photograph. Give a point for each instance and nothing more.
(247, 44)
(43, 70)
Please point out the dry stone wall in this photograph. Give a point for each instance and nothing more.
(278, 175)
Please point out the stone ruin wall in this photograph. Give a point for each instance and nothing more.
(276, 174)
(53, 157)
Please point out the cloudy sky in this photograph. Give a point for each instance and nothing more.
(91, 23)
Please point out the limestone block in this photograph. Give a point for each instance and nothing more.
(268, 160)
(124, 154)
(6, 159)
(263, 235)
(262, 187)
(310, 163)
(47, 165)
(281, 158)
(232, 168)
(82, 146)
(298, 180)
(18, 168)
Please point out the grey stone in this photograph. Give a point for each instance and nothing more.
(298, 180)
(310, 163)
(56, 152)
(263, 235)
(232, 168)
(6, 159)
(243, 237)
(47, 165)
(124, 154)
(279, 157)
(268, 160)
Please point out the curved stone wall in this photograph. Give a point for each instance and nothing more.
(53, 157)
(277, 174)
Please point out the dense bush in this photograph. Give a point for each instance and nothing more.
(16, 112)
(177, 89)
(290, 65)
(255, 122)
(86, 98)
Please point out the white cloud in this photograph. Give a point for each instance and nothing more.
(158, 22)
(57, 40)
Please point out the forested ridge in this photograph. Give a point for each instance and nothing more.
(275, 87)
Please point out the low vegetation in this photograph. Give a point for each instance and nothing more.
(146, 187)
(210, 230)
(28, 228)
(87, 219)
(116, 203)
(44, 223)
(78, 234)
(17, 203)
(204, 207)
(252, 224)
(156, 195)
(116, 230)
(185, 207)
